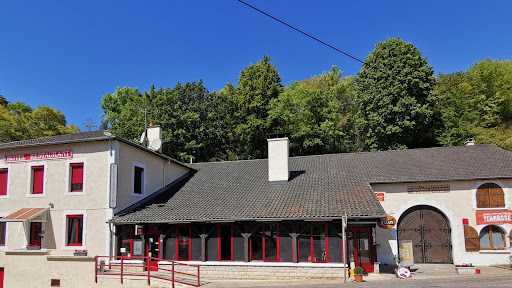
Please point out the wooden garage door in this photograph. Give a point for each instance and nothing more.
(430, 233)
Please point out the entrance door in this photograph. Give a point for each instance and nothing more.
(360, 248)
(153, 249)
(430, 233)
(35, 233)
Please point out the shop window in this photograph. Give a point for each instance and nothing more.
(490, 195)
(492, 238)
(126, 242)
(2, 233)
(313, 243)
(138, 180)
(183, 243)
(471, 238)
(37, 179)
(265, 243)
(77, 177)
(3, 181)
(75, 230)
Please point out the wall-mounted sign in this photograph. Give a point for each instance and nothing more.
(39, 156)
(113, 185)
(465, 221)
(494, 217)
(422, 189)
(381, 196)
(387, 222)
(139, 229)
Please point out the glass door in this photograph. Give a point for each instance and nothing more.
(153, 249)
(35, 233)
(360, 248)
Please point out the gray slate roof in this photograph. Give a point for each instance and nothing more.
(325, 186)
(78, 138)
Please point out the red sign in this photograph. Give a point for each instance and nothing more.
(139, 229)
(387, 222)
(38, 156)
(381, 196)
(494, 217)
(465, 221)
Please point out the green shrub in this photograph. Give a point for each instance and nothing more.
(358, 271)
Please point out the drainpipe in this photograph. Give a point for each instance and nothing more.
(344, 232)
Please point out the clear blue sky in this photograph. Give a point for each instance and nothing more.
(69, 54)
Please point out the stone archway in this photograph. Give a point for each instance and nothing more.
(430, 232)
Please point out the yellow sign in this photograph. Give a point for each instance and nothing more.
(406, 251)
(387, 222)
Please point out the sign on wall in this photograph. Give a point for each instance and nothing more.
(381, 196)
(39, 156)
(422, 189)
(494, 217)
(387, 222)
(113, 185)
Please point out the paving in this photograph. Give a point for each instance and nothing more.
(422, 276)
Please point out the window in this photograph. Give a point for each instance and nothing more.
(77, 177)
(3, 181)
(492, 238)
(138, 180)
(36, 229)
(471, 238)
(313, 243)
(2, 233)
(490, 195)
(75, 230)
(225, 242)
(265, 243)
(183, 244)
(37, 179)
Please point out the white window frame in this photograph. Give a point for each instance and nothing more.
(497, 182)
(65, 229)
(67, 191)
(143, 166)
(31, 180)
(9, 172)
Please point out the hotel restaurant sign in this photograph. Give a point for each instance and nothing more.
(39, 156)
(494, 217)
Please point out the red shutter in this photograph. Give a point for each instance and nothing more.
(38, 179)
(3, 181)
(77, 170)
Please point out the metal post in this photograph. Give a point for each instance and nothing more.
(172, 274)
(198, 282)
(149, 269)
(122, 269)
(344, 233)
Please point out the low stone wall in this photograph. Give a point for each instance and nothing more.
(261, 272)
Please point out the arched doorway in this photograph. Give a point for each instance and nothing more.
(430, 233)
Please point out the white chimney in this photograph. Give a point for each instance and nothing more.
(155, 137)
(278, 152)
(469, 142)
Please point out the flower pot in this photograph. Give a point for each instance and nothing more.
(466, 270)
(33, 247)
(80, 253)
(358, 278)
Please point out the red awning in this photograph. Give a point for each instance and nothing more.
(25, 214)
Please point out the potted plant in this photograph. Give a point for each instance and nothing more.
(465, 268)
(80, 253)
(358, 274)
(33, 247)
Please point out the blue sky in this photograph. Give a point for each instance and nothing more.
(69, 54)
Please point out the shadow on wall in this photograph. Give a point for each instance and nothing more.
(49, 235)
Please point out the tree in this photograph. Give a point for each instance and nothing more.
(258, 84)
(3, 101)
(395, 99)
(318, 113)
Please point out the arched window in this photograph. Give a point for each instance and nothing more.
(491, 238)
(490, 195)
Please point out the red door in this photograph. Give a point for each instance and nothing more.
(153, 249)
(35, 233)
(360, 248)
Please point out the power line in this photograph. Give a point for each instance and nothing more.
(302, 32)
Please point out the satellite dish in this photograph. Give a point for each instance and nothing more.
(155, 144)
(142, 137)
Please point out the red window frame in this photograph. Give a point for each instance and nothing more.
(219, 239)
(37, 179)
(263, 243)
(3, 230)
(189, 242)
(138, 172)
(77, 235)
(77, 176)
(312, 250)
(4, 176)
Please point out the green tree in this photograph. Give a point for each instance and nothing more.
(395, 99)
(3, 101)
(318, 113)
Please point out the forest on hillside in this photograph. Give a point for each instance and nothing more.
(394, 102)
